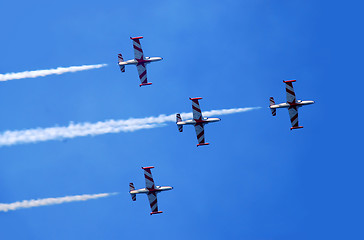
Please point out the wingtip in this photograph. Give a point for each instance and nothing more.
(202, 144)
(155, 212)
(134, 38)
(148, 167)
(145, 84)
(288, 81)
(196, 98)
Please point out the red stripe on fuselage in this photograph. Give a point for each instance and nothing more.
(200, 122)
(142, 61)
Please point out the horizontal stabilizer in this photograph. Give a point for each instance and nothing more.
(121, 59)
(131, 188)
(179, 119)
(122, 68)
(196, 98)
(296, 127)
(272, 102)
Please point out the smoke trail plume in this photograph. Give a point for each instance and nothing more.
(4, 207)
(8, 138)
(43, 73)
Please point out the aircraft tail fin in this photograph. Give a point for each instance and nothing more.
(271, 102)
(131, 188)
(179, 119)
(121, 59)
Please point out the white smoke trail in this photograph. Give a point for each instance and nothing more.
(4, 207)
(43, 73)
(8, 138)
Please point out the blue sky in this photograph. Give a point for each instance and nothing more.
(257, 179)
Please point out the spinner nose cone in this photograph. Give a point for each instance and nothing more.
(216, 119)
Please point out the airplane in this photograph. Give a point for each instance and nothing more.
(292, 104)
(150, 189)
(198, 121)
(140, 61)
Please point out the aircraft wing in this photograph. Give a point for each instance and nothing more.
(200, 133)
(196, 110)
(149, 181)
(138, 51)
(152, 197)
(291, 96)
(293, 115)
(142, 72)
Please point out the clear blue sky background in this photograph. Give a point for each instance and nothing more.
(257, 179)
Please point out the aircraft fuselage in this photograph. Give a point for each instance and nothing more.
(299, 103)
(146, 60)
(203, 121)
(147, 190)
